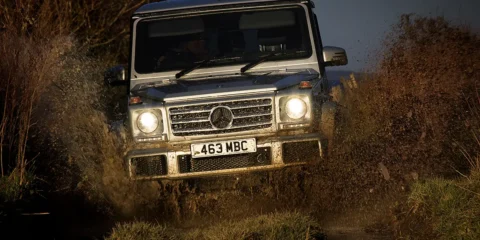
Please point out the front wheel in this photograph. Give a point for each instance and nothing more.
(327, 124)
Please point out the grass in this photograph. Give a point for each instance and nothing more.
(13, 188)
(271, 226)
(102, 26)
(451, 207)
(140, 230)
(27, 67)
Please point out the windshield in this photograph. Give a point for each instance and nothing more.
(223, 39)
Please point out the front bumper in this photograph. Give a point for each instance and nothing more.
(176, 163)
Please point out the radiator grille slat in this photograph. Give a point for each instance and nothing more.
(248, 115)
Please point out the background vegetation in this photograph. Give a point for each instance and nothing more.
(417, 115)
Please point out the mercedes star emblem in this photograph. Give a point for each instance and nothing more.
(221, 117)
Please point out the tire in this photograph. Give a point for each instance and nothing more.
(327, 124)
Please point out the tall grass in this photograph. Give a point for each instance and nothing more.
(87, 155)
(51, 90)
(102, 26)
(413, 107)
(27, 67)
(450, 208)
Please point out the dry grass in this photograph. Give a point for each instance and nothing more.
(54, 113)
(102, 26)
(54, 103)
(421, 114)
(446, 208)
(414, 107)
(26, 69)
(140, 230)
(87, 154)
(271, 226)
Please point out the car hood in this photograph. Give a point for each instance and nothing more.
(180, 90)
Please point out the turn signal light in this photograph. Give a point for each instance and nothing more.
(305, 85)
(135, 100)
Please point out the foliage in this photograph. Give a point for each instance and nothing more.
(27, 67)
(452, 207)
(414, 108)
(99, 25)
(140, 230)
(14, 187)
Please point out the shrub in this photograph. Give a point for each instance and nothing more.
(14, 188)
(27, 67)
(102, 26)
(451, 207)
(53, 97)
(79, 149)
(413, 109)
(140, 230)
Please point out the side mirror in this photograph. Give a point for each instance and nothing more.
(116, 75)
(334, 56)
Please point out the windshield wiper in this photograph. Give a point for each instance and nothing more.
(267, 57)
(195, 66)
(203, 63)
(258, 61)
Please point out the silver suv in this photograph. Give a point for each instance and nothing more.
(224, 87)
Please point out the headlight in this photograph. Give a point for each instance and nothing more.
(147, 122)
(296, 108)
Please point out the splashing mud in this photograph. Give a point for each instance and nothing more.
(86, 155)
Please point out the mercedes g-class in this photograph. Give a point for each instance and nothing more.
(225, 87)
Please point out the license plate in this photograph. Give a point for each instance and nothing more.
(222, 148)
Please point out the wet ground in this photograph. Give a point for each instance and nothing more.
(49, 226)
(71, 217)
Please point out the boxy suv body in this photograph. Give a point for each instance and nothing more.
(225, 86)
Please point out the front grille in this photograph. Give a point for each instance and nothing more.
(149, 166)
(188, 164)
(248, 115)
(295, 152)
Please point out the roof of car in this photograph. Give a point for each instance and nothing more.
(168, 5)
